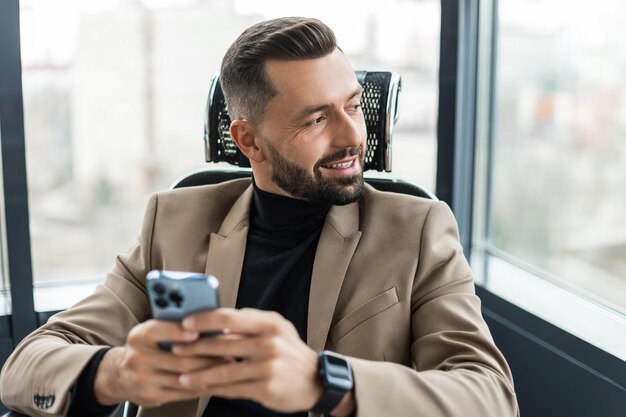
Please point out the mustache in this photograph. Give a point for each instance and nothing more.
(340, 155)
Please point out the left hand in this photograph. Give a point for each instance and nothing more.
(275, 367)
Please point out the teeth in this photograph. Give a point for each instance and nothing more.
(341, 165)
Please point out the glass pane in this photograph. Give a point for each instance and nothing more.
(559, 164)
(114, 95)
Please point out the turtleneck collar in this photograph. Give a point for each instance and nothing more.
(285, 217)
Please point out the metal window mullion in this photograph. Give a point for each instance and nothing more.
(19, 267)
(483, 166)
(446, 120)
(457, 110)
(495, 24)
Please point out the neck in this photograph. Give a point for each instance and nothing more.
(267, 185)
(284, 216)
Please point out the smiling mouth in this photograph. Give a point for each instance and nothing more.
(340, 165)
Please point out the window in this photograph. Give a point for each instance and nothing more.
(558, 183)
(114, 94)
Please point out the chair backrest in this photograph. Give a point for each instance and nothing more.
(379, 103)
(380, 108)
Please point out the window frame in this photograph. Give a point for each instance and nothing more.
(19, 263)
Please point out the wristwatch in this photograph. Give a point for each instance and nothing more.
(336, 375)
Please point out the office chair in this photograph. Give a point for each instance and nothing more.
(380, 108)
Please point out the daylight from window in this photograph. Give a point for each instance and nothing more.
(114, 95)
(559, 174)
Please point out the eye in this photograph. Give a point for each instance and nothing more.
(316, 121)
(355, 107)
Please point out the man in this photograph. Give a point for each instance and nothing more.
(312, 258)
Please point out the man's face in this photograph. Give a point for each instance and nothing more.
(313, 132)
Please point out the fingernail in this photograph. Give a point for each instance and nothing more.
(184, 380)
(176, 349)
(188, 323)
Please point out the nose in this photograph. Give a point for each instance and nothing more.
(350, 131)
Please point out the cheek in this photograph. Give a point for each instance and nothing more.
(312, 150)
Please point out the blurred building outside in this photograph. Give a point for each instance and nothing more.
(559, 175)
(118, 115)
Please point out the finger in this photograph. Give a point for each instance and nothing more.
(222, 346)
(245, 321)
(148, 380)
(165, 361)
(138, 360)
(183, 393)
(150, 332)
(227, 374)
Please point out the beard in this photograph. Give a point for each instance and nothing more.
(295, 180)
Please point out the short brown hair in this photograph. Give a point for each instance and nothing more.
(246, 86)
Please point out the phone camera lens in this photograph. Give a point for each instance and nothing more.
(176, 298)
(161, 302)
(159, 288)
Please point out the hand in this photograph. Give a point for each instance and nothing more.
(275, 367)
(142, 373)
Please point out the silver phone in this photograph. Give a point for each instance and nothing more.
(175, 295)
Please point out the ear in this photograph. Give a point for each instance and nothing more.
(244, 135)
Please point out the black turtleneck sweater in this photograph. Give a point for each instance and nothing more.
(276, 273)
(276, 276)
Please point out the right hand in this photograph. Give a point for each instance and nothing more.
(142, 373)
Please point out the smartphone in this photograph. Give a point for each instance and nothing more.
(175, 295)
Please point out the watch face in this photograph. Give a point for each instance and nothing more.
(337, 372)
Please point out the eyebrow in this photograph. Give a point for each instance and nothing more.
(314, 109)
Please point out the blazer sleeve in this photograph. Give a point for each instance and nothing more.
(47, 363)
(458, 370)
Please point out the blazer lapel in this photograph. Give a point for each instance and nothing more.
(338, 241)
(227, 248)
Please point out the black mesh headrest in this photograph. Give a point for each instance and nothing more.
(380, 108)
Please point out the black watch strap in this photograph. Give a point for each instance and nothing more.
(330, 399)
(336, 376)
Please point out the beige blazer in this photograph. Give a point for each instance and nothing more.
(390, 289)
